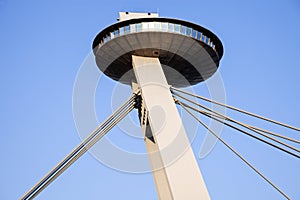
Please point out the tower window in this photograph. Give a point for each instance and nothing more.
(183, 30)
(177, 28)
(138, 27)
(164, 26)
(194, 34)
(171, 27)
(199, 35)
(127, 29)
(188, 31)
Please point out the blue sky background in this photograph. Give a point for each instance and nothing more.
(43, 44)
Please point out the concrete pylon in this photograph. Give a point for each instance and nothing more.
(175, 170)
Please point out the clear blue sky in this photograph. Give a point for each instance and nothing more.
(43, 44)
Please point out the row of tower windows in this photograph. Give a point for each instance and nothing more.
(158, 26)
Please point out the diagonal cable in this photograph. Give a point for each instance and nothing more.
(238, 129)
(84, 146)
(275, 134)
(236, 109)
(235, 152)
(262, 130)
(239, 123)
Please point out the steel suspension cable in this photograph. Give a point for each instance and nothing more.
(84, 146)
(235, 152)
(238, 129)
(275, 134)
(236, 109)
(263, 130)
(237, 122)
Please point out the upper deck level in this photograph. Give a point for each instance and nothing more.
(188, 48)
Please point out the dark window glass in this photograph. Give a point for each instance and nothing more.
(207, 40)
(199, 35)
(203, 38)
(116, 33)
(188, 31)
(127, 29)
(183, 30)
(194, 34)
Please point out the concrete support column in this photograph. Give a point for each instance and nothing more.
(175, 170)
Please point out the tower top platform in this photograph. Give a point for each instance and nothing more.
(187, 52)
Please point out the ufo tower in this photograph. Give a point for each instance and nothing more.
(155, 57)
(151, 54)
(191, 50)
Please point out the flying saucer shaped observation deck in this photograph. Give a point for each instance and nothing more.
(193, 51)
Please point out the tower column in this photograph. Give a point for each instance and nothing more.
(175, 170)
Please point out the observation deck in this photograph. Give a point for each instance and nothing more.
(191, 52)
